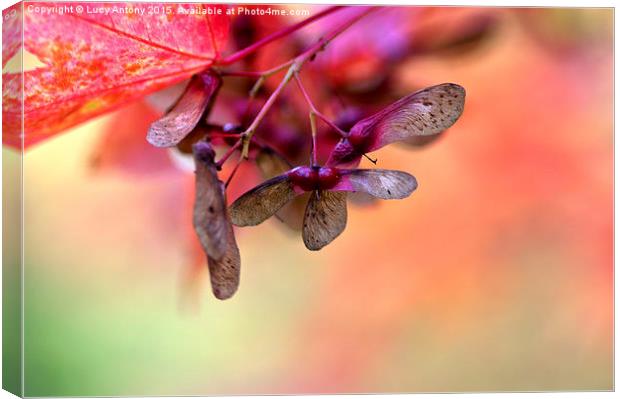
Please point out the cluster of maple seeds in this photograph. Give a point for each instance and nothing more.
(425, 113)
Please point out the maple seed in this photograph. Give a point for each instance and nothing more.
(426, 112)
(185, 114)
(213, 226)
(325, 216)
(225, 272)
(210, 225)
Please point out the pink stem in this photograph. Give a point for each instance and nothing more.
(320, 45)
(224, 135)
(256, 140)
(232, 174)
(315, 110)
(312, 119)
(270, 101)
(296, 65)
(331, 124)
(275, 36)
(249, 74)
(228, 153)
(257, 74)
(314, 162)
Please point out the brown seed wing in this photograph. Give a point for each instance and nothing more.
(261, 202)
(186, 112)
(292, 213)
(424, 113)
(210, 217)
(224, 273)
(360, 198)
(382, 183)
(423, 141)
(325, 218)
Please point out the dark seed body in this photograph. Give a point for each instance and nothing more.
(310, 178)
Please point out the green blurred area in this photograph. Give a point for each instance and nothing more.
(11, 272)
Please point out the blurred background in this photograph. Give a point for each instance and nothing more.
(495, 275)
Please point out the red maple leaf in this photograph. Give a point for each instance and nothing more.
(94, 63)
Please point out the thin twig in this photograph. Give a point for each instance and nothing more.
(257, 141)
(256, 74)
(275, 36)
(225, 135)
(313, 130)
(315, 110)
(295, 67)
(228, 153)
(232, 174)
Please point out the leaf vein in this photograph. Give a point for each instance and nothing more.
(141, 40)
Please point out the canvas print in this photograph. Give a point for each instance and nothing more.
(243, 199)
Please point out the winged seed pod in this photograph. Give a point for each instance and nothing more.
(426, 112)
(213, 226)
(326, 211)
(185, 114)
(292, 214)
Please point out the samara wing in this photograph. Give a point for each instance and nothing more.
(424, 113)
(261, 202)
(325, 218)
(224, 273)
(380, 183)
(210, 218)
(185, 114)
